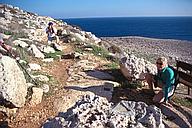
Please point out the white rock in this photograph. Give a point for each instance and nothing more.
(133, 67)
(36, 96)
(20, 43)
(45, 88)
(33, 66)
(48, 49)
(41, 78)
(36, 51)
(64, 32)
(82, 38)
(30, 85)
(48, 60)
(13, 86)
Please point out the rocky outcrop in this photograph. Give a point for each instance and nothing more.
(13, 87)
(93, 112)
(136, 68)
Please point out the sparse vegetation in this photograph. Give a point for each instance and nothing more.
(99, 51)
(19, 35)
(112, 65)
(22, 53)
(54, 55)
(8, 33)
(79, 50)
(131, 84)
(187, 102)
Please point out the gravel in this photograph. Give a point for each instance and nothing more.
(150, 48)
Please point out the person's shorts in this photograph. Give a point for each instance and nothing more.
(52, 38)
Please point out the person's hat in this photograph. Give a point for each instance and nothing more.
(50, 23)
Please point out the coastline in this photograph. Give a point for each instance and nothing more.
(151, 48)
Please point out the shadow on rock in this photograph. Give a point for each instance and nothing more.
(104, 90)
(175, 116)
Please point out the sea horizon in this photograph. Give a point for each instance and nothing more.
(162, 27)
(118, 17)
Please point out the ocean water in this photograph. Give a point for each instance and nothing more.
(154, 27)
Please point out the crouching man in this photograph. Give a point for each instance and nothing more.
(164, 80)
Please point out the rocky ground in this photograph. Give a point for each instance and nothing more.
(78, 66)
(150, 48)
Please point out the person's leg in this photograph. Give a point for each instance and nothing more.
(159, 97)
(1, 55)
(6, 47)
(57, 39)
(49, 40)
(150, 80)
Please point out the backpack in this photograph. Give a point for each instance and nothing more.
(175, 74)
(176, 78)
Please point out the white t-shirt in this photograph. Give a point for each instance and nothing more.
(51, 34)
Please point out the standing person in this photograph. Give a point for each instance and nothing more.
(51, 33)
(164, 80)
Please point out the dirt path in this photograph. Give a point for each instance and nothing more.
(34, 116)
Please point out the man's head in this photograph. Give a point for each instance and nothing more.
(161, 63)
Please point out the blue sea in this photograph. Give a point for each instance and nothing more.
(154, 27)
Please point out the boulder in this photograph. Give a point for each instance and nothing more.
(48, 49)
(136, 68)
(13, 86)
(20, 43)
(36, 96)
(96, 112)
(34, 66)
(36, 51)
(81, 37)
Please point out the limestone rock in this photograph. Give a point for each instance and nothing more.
(36, 51)
(136, 68)
(45, 88)
(48, 49)
(36, 96)
(41, 78)
(13, 87)
(20, 43)
(33, 66)
(48, 60)
(96, 112)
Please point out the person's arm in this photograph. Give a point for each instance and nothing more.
(6, 47)
(47, 30)
(55, 30)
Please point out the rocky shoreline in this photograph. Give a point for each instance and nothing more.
(151, 48)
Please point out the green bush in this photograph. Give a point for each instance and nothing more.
(79, 50)
(7, 33)
(54, 55)
(99, 51)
